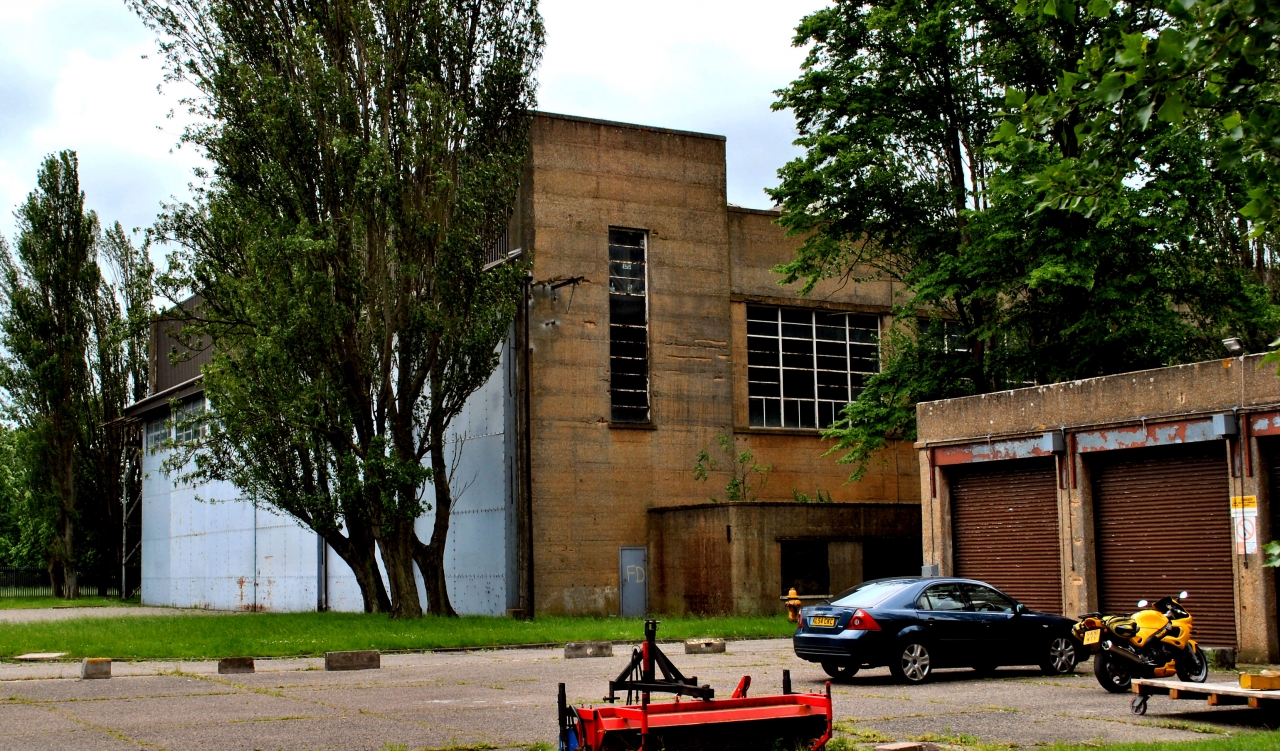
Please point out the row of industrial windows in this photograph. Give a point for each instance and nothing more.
(802, 365)
(179, 428)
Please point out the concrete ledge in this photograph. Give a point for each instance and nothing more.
(233, 665)
(908, 746)
(95, 667)
(703, 646)
(1220, 657)
(363, 659)
(588, 649)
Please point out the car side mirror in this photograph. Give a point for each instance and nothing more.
(1019, 608)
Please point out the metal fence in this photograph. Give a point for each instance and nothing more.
(34, 582)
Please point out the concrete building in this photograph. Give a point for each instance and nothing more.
(653, 325)
(1092, 494)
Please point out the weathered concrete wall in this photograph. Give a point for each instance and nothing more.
(593, 481)
(1210, 386)
(726, 557)
(1126, 404)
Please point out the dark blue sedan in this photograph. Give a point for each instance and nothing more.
(917, 625)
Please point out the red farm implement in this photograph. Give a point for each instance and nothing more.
(788, 721)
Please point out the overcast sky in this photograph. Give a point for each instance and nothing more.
(73, 76)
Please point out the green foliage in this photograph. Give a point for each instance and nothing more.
(913, 172)
(1272, 549)
(1206, 67)
(72, 358)
(367, 155)
(747, 477)
(26, 521)
(818, 497)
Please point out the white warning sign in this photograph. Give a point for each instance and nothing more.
(1244, 520)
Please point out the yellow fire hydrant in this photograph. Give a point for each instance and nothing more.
(793, 606)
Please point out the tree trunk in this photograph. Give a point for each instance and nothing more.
(396, 546)
(357, 551)
(55, 578)
(430, 557)
(64, 491)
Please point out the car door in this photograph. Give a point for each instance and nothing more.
(998, 639)
(949, 621)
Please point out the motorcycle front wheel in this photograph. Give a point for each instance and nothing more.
(1115, 674)
(1192, 666)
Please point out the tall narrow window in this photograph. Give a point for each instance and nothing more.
(803, 366)
(628, 327)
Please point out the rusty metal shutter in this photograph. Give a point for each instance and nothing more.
(1004, 528)
(1162, 523)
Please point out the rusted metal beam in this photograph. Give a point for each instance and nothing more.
(1137, 436)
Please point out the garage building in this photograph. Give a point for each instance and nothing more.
(1093, 494)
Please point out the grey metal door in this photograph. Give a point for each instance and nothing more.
(633, 574)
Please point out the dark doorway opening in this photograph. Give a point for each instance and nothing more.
(891, 556)
(804, 567)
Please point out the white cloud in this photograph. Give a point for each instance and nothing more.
(73, 76)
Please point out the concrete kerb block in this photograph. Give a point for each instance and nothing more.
(703, 646)
(95, 667)
(576, 649)
(1220, 657)
(362, 659)
(234, 665)
(908, 746)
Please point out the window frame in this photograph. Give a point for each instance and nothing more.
(816, 411)
(614, 406)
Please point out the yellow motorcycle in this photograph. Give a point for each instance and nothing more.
(1154, 642)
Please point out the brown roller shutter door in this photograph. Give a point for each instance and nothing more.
(1004, 529)
(1162, 524)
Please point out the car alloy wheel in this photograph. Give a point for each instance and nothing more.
(1061, 658)
(914, 664)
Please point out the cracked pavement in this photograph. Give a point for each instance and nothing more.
(506, 698)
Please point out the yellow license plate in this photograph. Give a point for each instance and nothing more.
(1091, 636)
(820, 621)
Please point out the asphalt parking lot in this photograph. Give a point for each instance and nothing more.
(506, 698)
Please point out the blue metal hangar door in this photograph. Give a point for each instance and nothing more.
(1162, 524)
(633, 575)
(1004, 528)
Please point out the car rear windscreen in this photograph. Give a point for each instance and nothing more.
(870, 594)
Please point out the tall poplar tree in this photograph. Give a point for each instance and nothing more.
(50, 287)
(366, 156)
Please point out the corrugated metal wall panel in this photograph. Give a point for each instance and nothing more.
(1163, 524)
(1004, 529)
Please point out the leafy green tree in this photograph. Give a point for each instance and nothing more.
(49, 292)
(1209, 67)
(898, 106)
(366, 156)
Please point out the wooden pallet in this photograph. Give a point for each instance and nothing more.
(1217, 694)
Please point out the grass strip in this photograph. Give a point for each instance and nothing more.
(29, 603)
(192, 637)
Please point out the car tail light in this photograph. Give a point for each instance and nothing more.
(862, 621)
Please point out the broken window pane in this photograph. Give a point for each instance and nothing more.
(628, 326)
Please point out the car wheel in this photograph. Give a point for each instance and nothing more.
(914, 664)
(1113, 673)
(840, 671)
(1192, 666)
(1061, 657)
